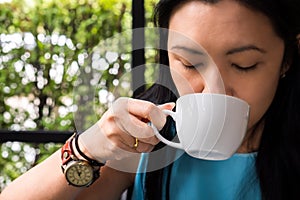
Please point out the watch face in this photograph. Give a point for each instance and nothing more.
(79, 173)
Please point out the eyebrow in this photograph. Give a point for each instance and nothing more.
(245, 48)
(190, 50)
(230, 52)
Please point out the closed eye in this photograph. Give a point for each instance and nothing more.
(189, 67)
(244, 68)
(192, 67)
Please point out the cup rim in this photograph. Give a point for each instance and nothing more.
(212, 94)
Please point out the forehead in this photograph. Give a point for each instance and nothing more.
(226, 23)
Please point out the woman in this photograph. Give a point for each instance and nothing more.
(255, 46)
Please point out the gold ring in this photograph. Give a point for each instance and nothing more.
(136, 144)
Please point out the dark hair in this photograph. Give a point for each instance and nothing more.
(278, 158)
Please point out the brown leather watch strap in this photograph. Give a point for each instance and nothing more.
(67, 153)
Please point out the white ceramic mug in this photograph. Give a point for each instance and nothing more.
(209, 126)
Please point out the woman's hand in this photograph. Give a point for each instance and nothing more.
(114, 136)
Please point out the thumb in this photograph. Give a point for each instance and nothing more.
(159, 118)
(167, 106)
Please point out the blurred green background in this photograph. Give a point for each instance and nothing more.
(45, 46)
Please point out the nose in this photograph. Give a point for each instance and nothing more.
(210, 81)
(201, 80)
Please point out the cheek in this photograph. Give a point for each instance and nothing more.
(182, 82)
(186, 80)
(260, 98)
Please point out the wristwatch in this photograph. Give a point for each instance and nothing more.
(78, 172)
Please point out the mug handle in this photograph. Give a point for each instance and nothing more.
(161, 138)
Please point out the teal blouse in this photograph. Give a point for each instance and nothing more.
(191, 178)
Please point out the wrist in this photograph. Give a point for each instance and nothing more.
(94, 143)
(82, 153)
(82, 148)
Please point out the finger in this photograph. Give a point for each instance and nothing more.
(115, 132)
(126, 142)
(127, 127)
(131, 114)
(149, 111)
(137, 128)
(126, 111)
(140, 108)
(131, 128)
(141, 146)
(144, 147)
(124, 145)
(134, 126)
(167, 106)
(150, 140)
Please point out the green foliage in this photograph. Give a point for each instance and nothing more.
(55, 73)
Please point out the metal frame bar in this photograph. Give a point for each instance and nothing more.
(34, 136)
(138, 44)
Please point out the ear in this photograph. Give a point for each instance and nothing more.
(285, 67)
(288, 59)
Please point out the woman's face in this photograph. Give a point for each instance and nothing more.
(241, 42)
